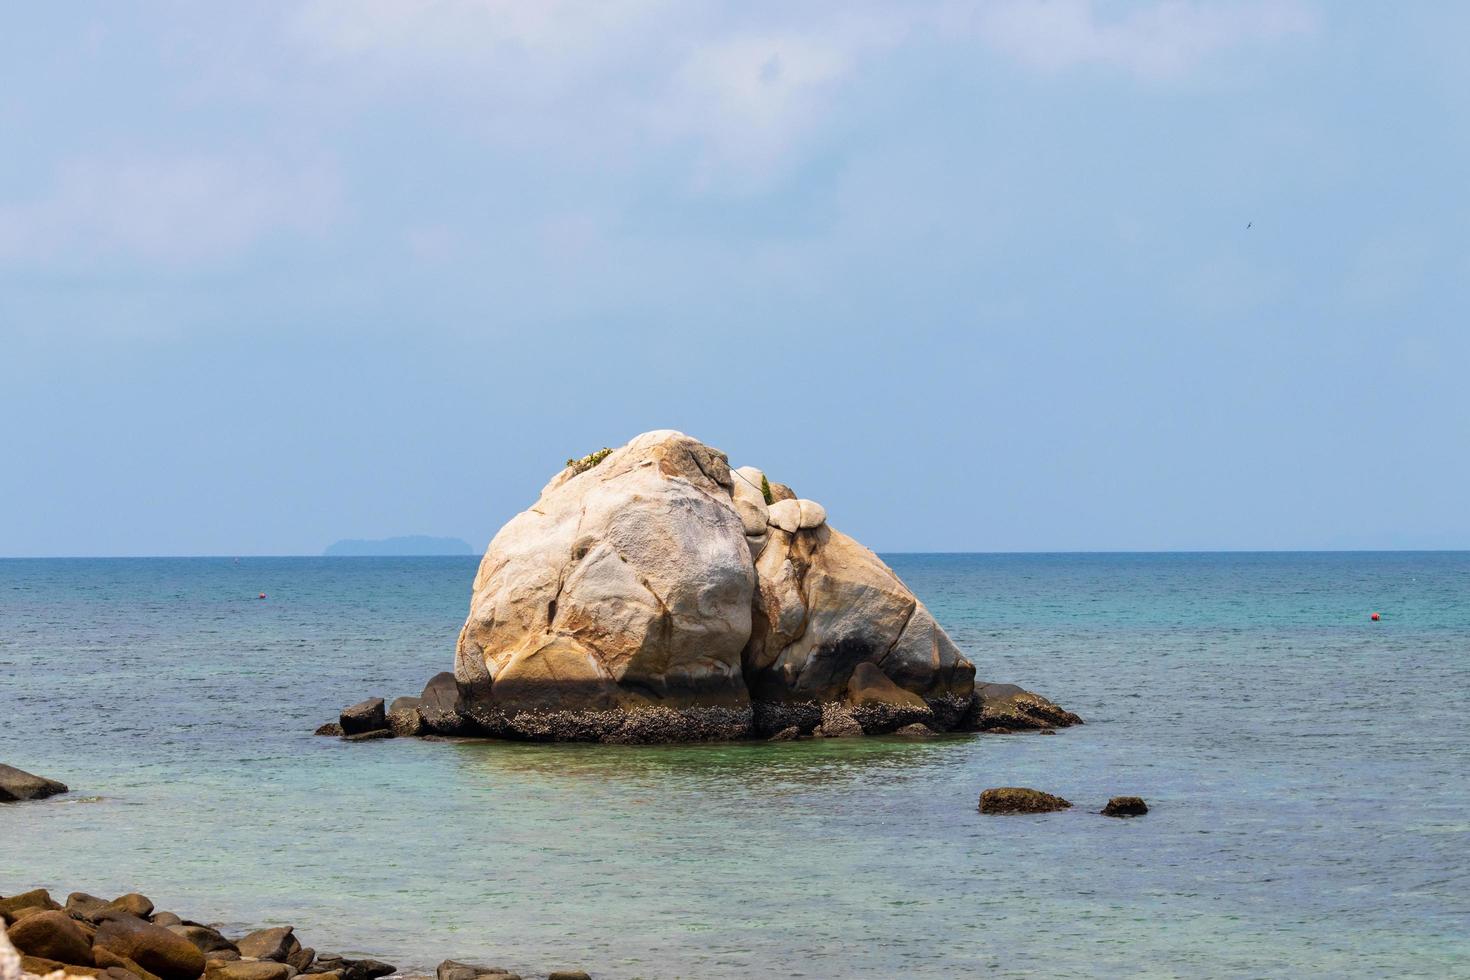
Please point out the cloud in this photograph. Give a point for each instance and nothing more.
(1151, 40)
(165, 209)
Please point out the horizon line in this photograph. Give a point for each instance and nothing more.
(880, 551)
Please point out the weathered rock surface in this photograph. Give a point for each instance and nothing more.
(275, 943)
(52, 935)
(1018, 799)
(17, 784)
(330, 728)
(1006, 706)
(37, 898)
(654, 594)
(439, 705)
(365, 716)
(154, 948)
(1125, 806)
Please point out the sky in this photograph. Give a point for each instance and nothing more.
(1008, 276)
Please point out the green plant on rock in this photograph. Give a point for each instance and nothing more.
(590, 460)
(766, 491)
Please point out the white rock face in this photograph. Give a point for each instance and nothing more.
(749, 502)
(786, 515)
(812, 514)
(660, 580)
(626, 584)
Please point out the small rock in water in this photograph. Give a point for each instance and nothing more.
(788, 734)
(916, 730)
(330, 728)
(365, 716)
(1019, 799)
(1125, 806)
(569, 975)
(17, 784)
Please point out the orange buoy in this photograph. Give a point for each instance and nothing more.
(1373, 617)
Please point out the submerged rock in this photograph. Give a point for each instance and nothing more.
(17, 785)
(1018, 799)
(1125, 806)
(330, 728)
(653, 594)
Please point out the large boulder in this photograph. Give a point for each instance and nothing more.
(52, 935)
(365, 716)
(618, 605)
(36, 898)
(652, 593)
(17, 784)
(154, 948)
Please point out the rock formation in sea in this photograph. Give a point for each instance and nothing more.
(653, 593)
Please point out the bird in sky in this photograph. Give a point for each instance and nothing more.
(1248, 225)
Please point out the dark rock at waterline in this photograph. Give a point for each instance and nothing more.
(879, 705)
(406, 722)
(569, 975)
(403, 704)
(53, 935)
(369, 736)
(770, 717)
(788, 734)
(1019, 799)
(365, 716)
(366, 969)
(301, 959)
(269, 944)
(1125, 806)
(916, 730)
(37, 898)
(17, 785)
(330, 728)
(440, 705)
(838, 721)
(154, 948)
(1007, 706)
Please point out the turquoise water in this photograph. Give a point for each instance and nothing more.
(1306, 768)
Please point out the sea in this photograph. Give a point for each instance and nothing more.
(1307, 771)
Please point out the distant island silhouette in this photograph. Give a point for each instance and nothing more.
(413, 544)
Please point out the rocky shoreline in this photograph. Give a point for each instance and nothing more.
(873, 705)
(126, 938)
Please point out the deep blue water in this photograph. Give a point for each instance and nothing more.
(1307, 770)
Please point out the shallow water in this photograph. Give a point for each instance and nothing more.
(1306, 768)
